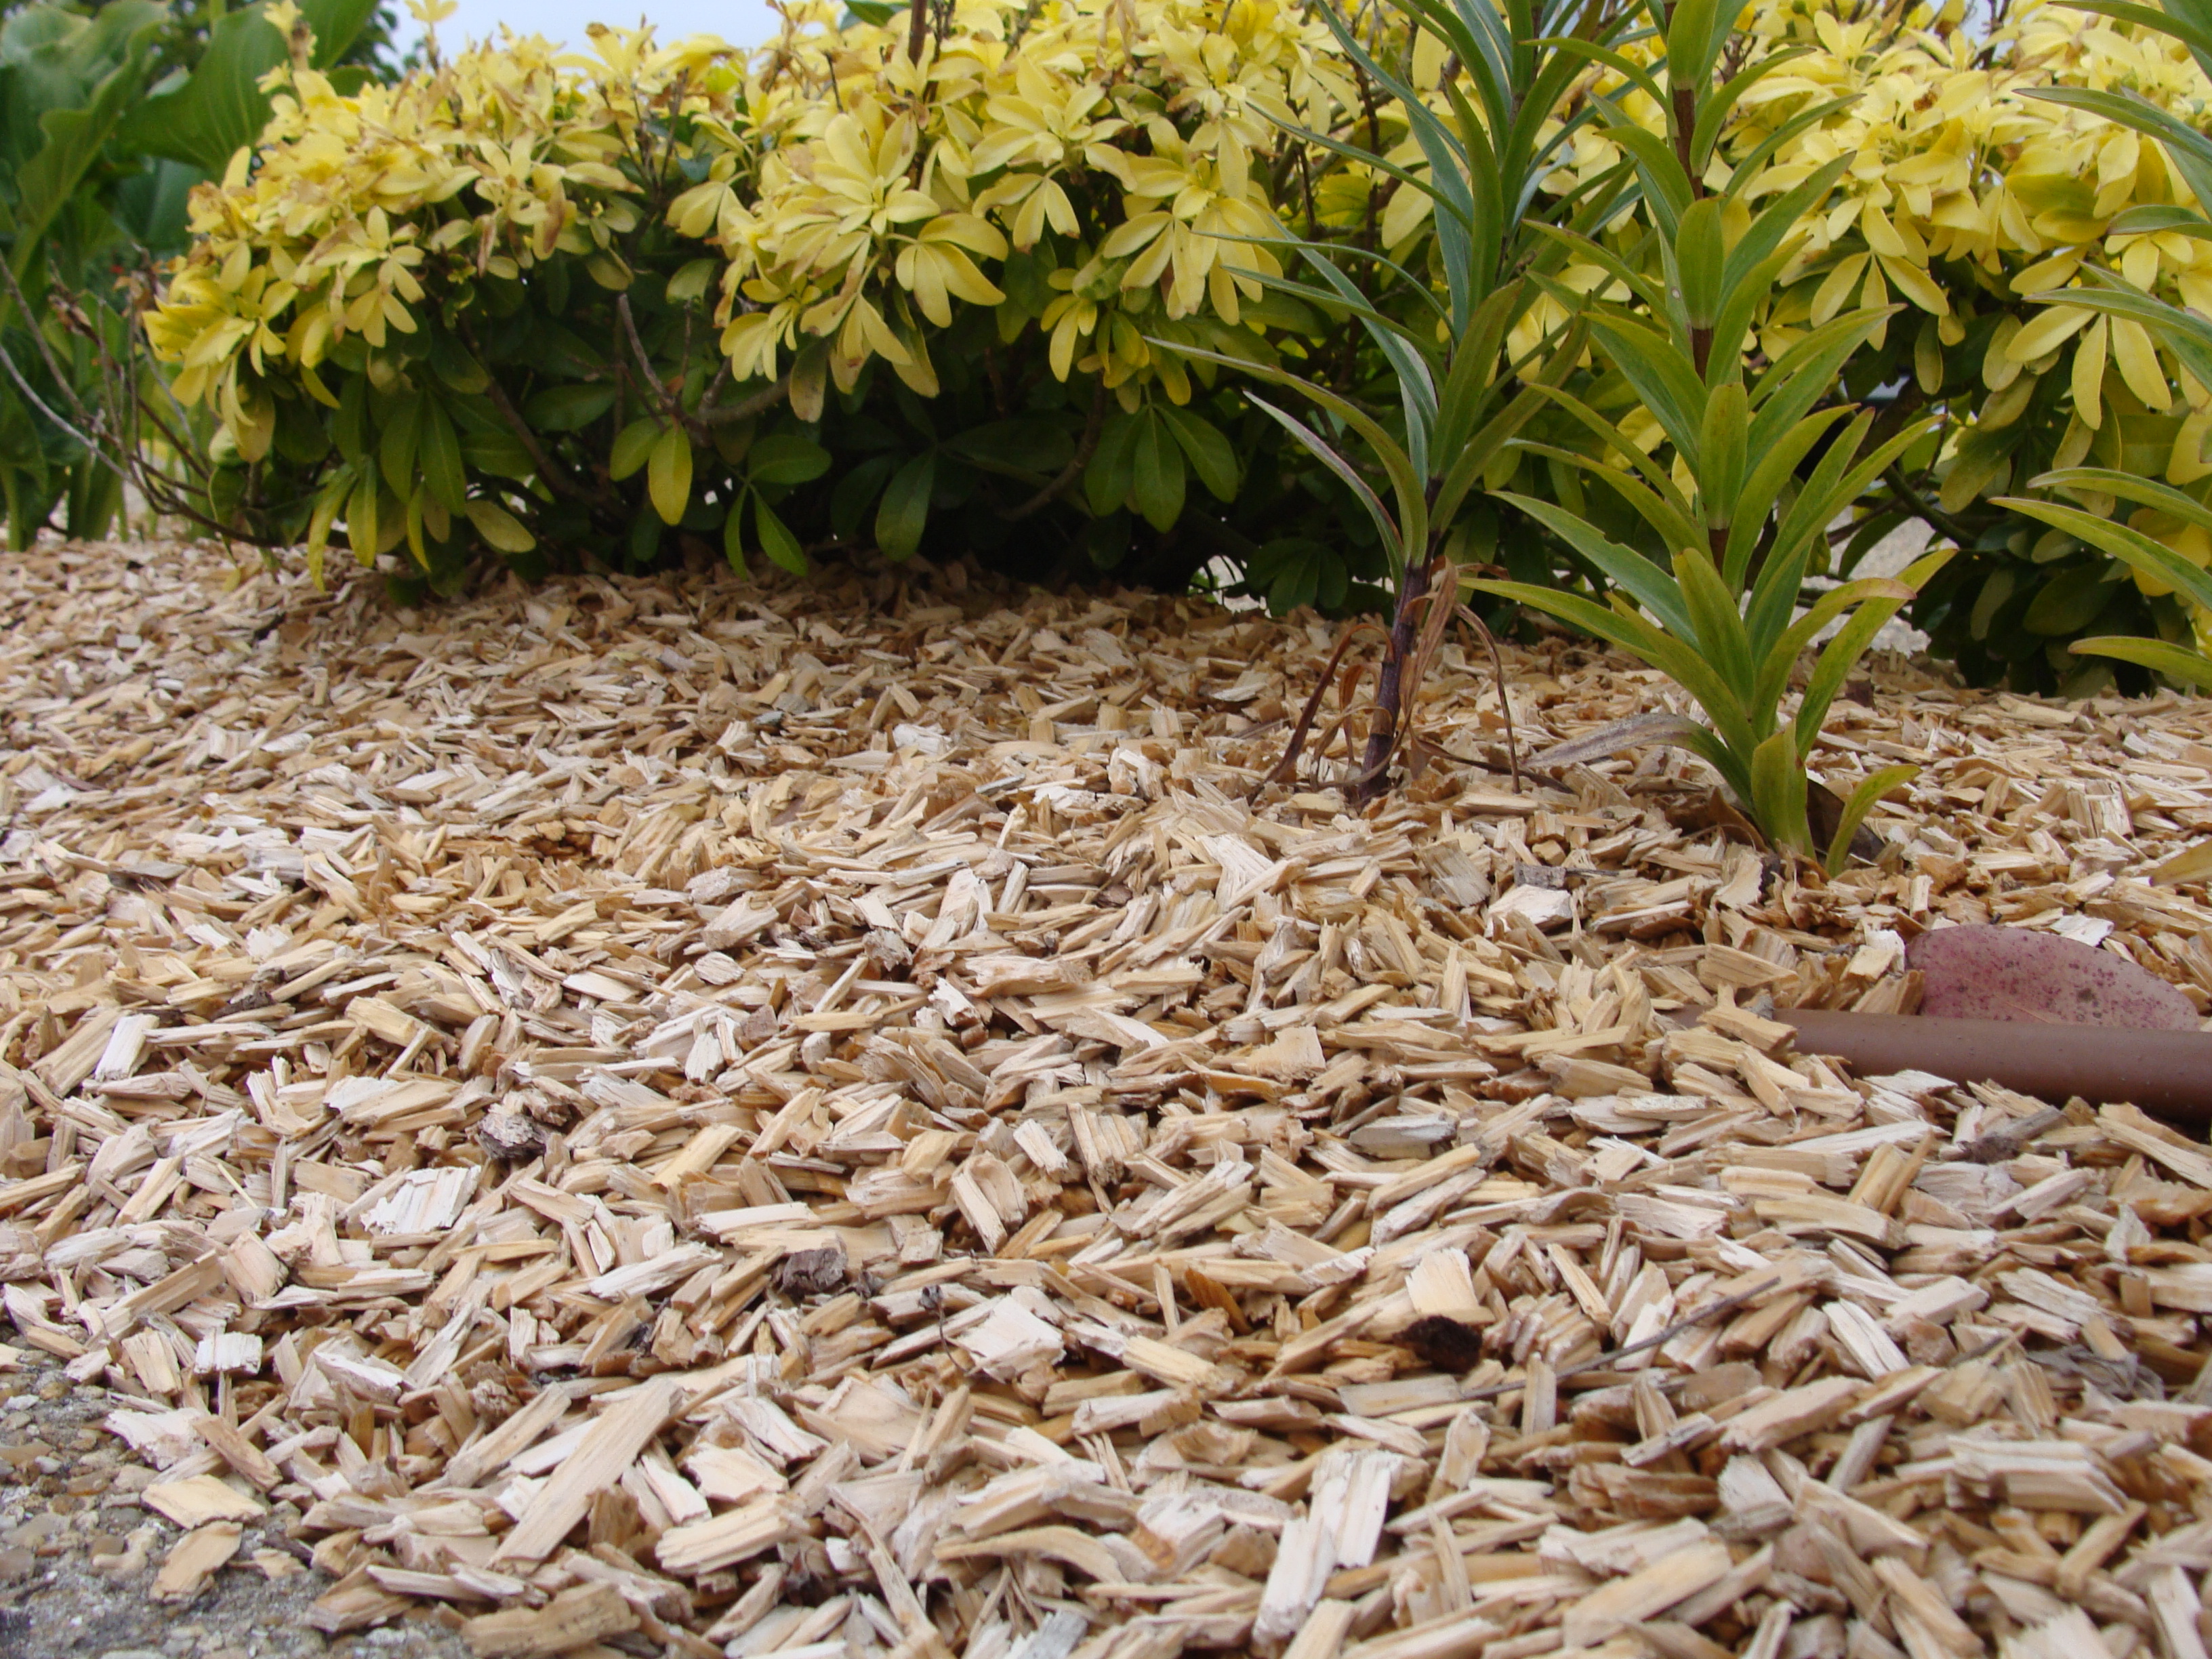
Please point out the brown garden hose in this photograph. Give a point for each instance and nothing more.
(2167, 1072)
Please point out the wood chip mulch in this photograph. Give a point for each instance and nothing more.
(673, 1116)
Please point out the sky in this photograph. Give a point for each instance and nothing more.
(743, 22)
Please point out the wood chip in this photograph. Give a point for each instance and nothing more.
(827, 1121)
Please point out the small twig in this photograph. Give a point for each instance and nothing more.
(39, 403)
(666, 398)
(759, 402)
(1287, 767)
(46, 351)
(1505, 703)
(183, 451)
(555, 479)
(1068, 474)
(1923, 508)
(1607, 1361)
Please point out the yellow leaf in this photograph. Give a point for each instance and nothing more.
(500, 528)
(2046, 330)
(2089, 376)
(1916, 285)
(668, 474)
(2138, 364)
(1835, 288)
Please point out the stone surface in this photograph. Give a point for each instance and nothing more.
(55, 1603)
(2019, 974)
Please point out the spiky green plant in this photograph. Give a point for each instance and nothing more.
(1724, 621)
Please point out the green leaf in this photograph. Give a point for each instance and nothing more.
(361, 526)
(1030, 450)
(1850, 644)
(1321, 450)
(1208, 451)
(856, 491)
(1713, 110)
(692, 280)
(453, 363)
(903, 514)
(2128, 487)
(1806, 373)
(1861, 801)
(1575, 245)
(1666, 186)
(776, 539)
(1416, 386)
(73, 138)
(2175, 662)
(398, 443)
(2190, 150)
(1106, 480)
(2147, 218)
(1755, 497)
(440, 457)
(733, 532)
(1694, 30)
(633, 444)
(1473, 456)
(1156, 474)
(668, 474)
(1662, 376)
(2185, 333)
(1671, 517)
(221, 107)
(1777, 793)
(1719, 634)
(328, 506)
(785, 458)
(1627, 569)
(568, 408)
(502, 530)
(1778, 658)
(1470, 385)
(1411, 528)
(1723, 441)
(1700, 259)
(1732, 738)
(2071, 600)
(1833, 486)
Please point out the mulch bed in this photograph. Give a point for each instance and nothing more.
(684, 1117)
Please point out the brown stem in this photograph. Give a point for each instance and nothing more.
(758, 403)
(1068, 474)
(557, 481)
(91, 446)
(1924, 508)
(1286, 768)
(917, 30)
(1389, 687)
(662, 394)
(46, 351)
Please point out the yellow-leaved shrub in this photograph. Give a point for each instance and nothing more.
(832, 291)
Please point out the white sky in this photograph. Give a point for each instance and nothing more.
(742, 23)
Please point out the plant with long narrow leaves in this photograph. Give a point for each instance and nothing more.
(1743, 530)
(1461, 399)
